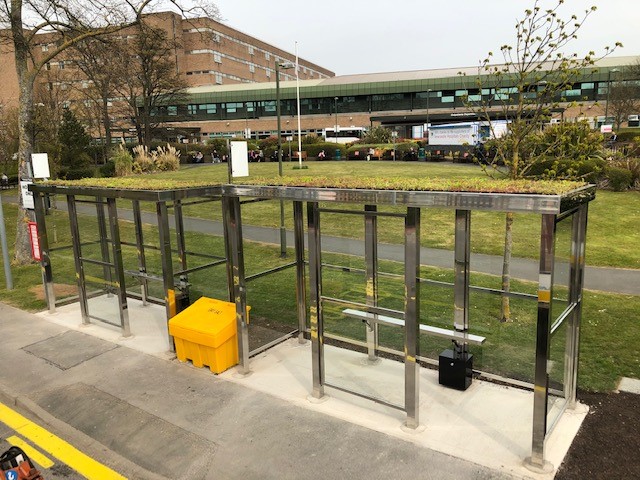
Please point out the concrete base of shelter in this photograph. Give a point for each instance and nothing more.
(487, 424)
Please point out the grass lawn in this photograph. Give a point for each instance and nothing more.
(609, 325)
(613, 237)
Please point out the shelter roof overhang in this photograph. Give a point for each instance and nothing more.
(531, 197)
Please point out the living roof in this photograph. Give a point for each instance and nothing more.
(545, 197)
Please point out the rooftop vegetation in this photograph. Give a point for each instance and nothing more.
(475, 185)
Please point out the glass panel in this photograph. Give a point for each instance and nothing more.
(562, 268)
(556, 400)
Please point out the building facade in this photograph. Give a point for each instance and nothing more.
(403, 101)
(206, 52)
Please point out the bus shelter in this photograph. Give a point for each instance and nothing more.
(557, 319)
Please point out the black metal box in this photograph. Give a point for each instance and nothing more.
(455, 370)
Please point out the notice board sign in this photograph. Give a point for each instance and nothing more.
(27, 196)
(239, 159)
(35, 242)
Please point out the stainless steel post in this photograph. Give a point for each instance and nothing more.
(412, 316)
(164, 235)
(371, 273)
(541, 380)
(118, 267)
(316, 320)
(181, 246)
(301, 291)
(104, 245)
(142, 260)
(462, 255)
(579, 237)
(239, 287)
(77, 257)
(45, 259)
(226, 222)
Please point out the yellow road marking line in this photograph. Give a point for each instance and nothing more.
(66, 453)
(32, 453)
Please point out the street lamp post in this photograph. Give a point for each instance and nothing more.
(335, 133)
(283, 232)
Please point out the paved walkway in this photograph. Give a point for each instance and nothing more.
(150, 418)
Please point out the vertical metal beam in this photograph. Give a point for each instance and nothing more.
(371, 273)
(462, 255)
(239, 287)
(226, 222)
(181, 246)
(118, 267)
(316, 319)
(301, 291)
(412, 316)
(578, 242)
(541, 380)
(142, 259)
(104, 243)
(164, 236)
(45, 259)
(77, 257)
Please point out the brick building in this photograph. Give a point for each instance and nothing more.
(206, 51)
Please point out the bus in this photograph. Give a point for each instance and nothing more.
(345, 134)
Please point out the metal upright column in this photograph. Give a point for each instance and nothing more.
(77, 257)
(116, 250)
(578, 241)
(180, 242)
(239, 288)
(164, 235)
(104, 245)
(142, 260)
(316, 319)
(541, 382)
(226, 221)
(412, 316)
(371, 269)
(301, 291)
(45, 259)
(462, 257)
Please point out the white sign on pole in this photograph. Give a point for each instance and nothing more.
(27, 196)
(606, 128)
(239, 159)
(40, 165)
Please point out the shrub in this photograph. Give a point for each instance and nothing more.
(619, 178)
(167, 158)
(311, 139)
(108, 169)
(123, 161)
(589, 170)
(329, 150)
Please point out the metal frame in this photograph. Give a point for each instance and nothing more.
(551, 208)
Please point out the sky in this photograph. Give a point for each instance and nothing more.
(368, 36)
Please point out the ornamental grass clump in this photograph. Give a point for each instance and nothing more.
(144, 161)
(123, 161)
(167, 159)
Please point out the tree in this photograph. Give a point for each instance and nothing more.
(96, 59)
(623, 98)
(66, 24)
(149, 78)
(523, 90)
(73, 141)
(378, 134)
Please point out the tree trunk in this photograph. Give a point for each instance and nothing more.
(506, 268)
(25, 130)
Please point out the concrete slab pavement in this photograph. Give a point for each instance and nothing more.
(171, 420)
